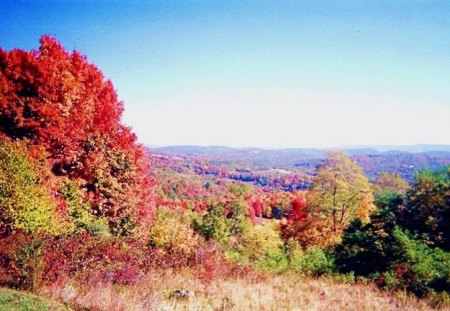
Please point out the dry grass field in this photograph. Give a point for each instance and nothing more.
(169, 290)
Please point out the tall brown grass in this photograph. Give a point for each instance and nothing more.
(281, 292)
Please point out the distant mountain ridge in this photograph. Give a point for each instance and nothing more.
(351, 150)
(418, 148)
(404, 160)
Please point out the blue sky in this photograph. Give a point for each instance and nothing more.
(260, 73)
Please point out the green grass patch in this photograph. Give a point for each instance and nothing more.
(12, 300)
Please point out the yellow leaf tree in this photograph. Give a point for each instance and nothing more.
(24, 203)
(391, 182)
(340, 193)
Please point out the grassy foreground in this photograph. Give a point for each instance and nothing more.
(11, 300)
(160, 291)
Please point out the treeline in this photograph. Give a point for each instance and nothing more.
(268, 180)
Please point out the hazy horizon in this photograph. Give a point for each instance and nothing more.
(311, 74)
(381, 148)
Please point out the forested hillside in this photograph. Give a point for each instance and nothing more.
(94, 220)
(404, 161)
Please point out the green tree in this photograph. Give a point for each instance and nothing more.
(238, 217)
(340, 193)
(426, 267)
(214, 224)
(428, 207)
(368, 248)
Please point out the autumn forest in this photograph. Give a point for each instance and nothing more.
(92, 220)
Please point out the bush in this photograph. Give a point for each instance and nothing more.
(172, 239)
(211, 264)
(79, 212)
(239, 223)
(390, 280)
(368, 248)
(24, 203)
(93, 259)
(313, 262)
(263, 245)
(394, 258)
(423, 268)
(21, 262)
(214, 225)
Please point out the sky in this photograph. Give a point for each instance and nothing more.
(260, 73)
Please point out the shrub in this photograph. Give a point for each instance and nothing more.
(24, 203)
(293, 250)
(214, 225)
(20, 260)
(93, 259)
(172, 239)
(80, 217)
(263, 245)
(313, 262)
(424, 268)
(368, 248)
(211, 264)
(239, 223)
(390, 280)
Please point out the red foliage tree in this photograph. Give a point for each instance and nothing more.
(299, 212)
(255, 206)
(258, 207)
(62, 105)
(298, 219)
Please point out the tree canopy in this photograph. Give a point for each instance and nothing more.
(428, 207)
(69, 116)
(340, 193)
(391, 182)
